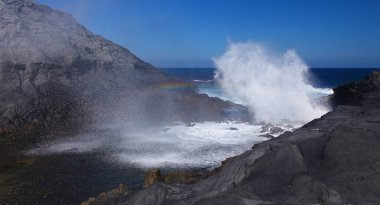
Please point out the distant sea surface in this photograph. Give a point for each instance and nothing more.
(321, 77)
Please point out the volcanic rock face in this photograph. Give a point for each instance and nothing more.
(331, 160)
(54, 69)
(353, 93)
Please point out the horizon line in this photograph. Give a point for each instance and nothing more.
(308, 67)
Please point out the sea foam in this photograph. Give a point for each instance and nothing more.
(177, 145)
(274, 87)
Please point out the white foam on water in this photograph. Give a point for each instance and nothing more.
(321, 92)
(201, 145)
(217, 92)
(179, 146)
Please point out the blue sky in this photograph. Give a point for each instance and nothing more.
(188, 33)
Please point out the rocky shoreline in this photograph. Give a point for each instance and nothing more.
(331, 160)
(57, 77)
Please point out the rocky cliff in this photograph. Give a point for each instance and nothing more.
(331, 160)
(52, 69)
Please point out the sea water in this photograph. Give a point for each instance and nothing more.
(203, 78)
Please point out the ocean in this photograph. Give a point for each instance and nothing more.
(323, 77)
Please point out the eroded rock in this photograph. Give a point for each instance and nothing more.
(115, 196)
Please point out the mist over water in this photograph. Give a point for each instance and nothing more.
(202, 145)
(135, 134)
(273, 86)
(175, 145)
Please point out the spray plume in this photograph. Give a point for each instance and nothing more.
(274, 87)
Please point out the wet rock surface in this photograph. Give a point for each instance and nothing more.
(331, 160)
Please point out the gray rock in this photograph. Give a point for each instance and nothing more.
(50, 64)
(271, 129)
(52, 69)
(307, 190)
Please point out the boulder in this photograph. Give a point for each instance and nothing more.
(152, 177)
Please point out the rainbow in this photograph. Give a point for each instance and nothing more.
(176, 86)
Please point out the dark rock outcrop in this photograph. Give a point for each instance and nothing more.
(354, 93)
(152, 177)
(52, 69)
(181, 177)
(331, 160)
(115, 196)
